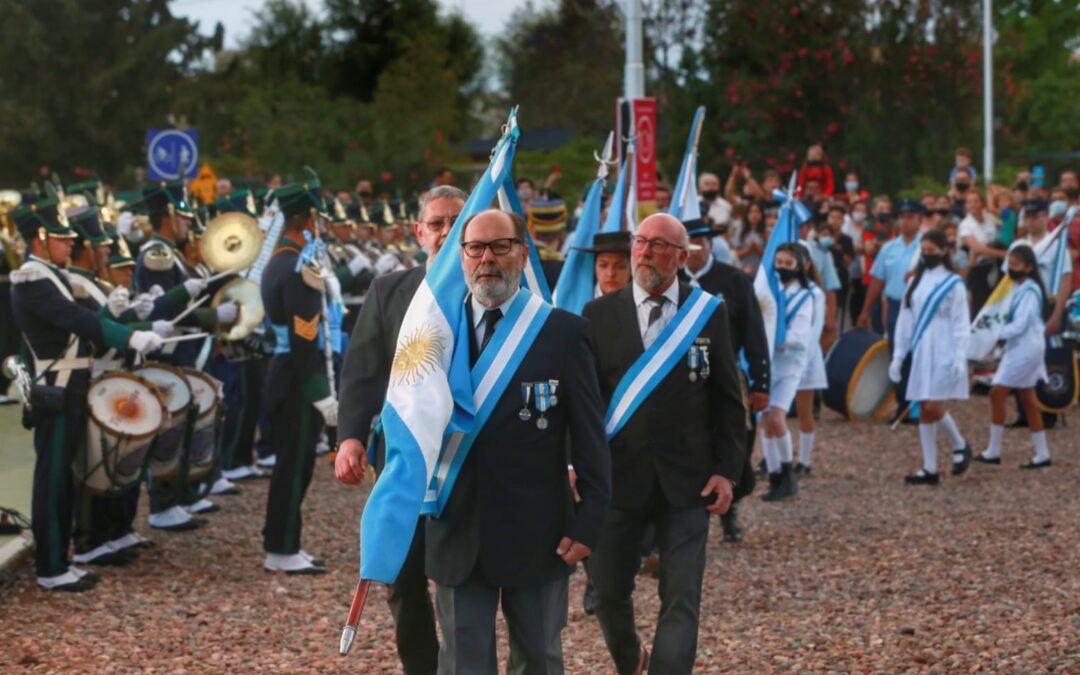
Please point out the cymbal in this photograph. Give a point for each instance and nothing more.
(232, 242)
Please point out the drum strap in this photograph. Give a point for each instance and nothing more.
(930, 307)
(1026, 289)
(62, 366)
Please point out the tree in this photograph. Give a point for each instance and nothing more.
(564, 65)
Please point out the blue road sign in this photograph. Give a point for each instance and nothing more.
(167, 149)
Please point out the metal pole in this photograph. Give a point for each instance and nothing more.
(988, 92)
(634, 84)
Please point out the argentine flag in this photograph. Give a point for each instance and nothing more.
(684, 202)
(577, 280)
(430, 394)
(766, 284)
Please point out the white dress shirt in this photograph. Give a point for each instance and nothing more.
(667, 310)
(694, 276)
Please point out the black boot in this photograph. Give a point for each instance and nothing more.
(771, 495)
(730, 521)
(788, 484)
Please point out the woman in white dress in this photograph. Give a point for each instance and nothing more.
(1023, 363)
(788, 365)
(933, 328)
(814, 377)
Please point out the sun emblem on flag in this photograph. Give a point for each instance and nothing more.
(417, 356)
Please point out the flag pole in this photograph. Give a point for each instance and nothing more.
(988, 92)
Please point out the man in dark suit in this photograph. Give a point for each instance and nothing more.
(511, 532)
(747, 335)
(677, 457)
(364, 379)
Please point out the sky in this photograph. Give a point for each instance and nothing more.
(489, 15)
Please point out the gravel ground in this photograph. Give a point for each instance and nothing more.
(858, 573)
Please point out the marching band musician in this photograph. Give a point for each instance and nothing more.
(161, 268)
(364, 378)
(60, 336)
(677, 432)
(298, 398)
(547, 222)
(354, 269)
(932, 330)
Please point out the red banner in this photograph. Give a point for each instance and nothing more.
(644, 115)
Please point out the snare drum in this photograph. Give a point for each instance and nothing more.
(126, 412)
(167, 450)
(203, 444)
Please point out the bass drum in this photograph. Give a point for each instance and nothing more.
(166, 452)
(126, 413)
(1058, 393)
(202, 449)
(857, 369)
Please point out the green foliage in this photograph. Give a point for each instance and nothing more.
(575, 160)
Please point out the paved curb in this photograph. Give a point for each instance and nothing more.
(12, 553)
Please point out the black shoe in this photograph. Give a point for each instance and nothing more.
(983, 459)
(74, 587)
(784, 486)
(1036, 465)
(965, 460)
(1018, 423)
(89, 576)
(802, 470)
(923, 478)
(730, 521)
(113, 559)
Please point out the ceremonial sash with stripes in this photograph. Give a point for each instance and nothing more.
(930, 307)
(496, 366)
(650, 369)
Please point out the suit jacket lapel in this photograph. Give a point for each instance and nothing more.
(629, 319)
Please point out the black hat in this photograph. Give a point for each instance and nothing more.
(237, 200)
(300, 198)
(159, 197)
(697, 227)
(908, 205)
(609, 242)
(43, 215)
(1036, 206)
(86, 222)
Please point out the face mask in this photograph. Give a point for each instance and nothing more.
(859, 217)
(1022, 186)
(815, 162)
(710, 195)
(1016, 275)
(883, 218)
(930, 261)
(962, 187)
(1072, 193)
(851, 186)
(524, 193)
(786, 275)
(825, 242)
(1058, 208)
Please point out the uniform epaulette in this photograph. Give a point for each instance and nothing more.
(546, 253)
(28, 274)
(312, 278)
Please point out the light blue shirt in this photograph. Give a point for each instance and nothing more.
(826, 266)
(721, 251)
(893, 263)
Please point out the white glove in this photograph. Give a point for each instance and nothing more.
(145, 341)
(119, 301)
(156, 291)
(896, 370)
(327, 407)
(226, 312)
(959, 370)
(162, 328)
(125, 225)
(388, 262)
(358, 264)
(194, 287)
(144, 305)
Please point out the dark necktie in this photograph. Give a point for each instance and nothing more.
(491, 318)
(652, 331)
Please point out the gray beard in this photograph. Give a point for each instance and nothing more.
(648, 278)
(493, 293)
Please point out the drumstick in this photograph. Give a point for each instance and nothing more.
(348, 633)
(190, 336)
(191, 308)
(902, 417)
(221, 275)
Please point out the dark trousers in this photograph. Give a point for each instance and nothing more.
(414, 616)
(166, 493)
(295, 429)
(103, 518)
(681, 536)
(535, 617)
(242, 382)
(55, 438)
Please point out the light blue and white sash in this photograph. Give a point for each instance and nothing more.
(650, 369)
(1018, 297)
(794, 303)
(494, 369)
(930, 307)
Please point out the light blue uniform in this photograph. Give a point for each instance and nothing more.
(826, 266)
(893, 263)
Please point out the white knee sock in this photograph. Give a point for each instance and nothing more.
(1042, 452)
(787, 455)
(993, 450)
(806, 447)
(928, 438)
(772, 456)
(949, 425)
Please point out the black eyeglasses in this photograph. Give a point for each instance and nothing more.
(441, 223)
(655, 245)
(475, 249)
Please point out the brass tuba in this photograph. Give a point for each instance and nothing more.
(232, 243)
(14, 246)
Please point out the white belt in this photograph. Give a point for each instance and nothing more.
(63, 365)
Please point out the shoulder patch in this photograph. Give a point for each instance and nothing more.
(312, 278)
(308, 329)
(27, 274)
